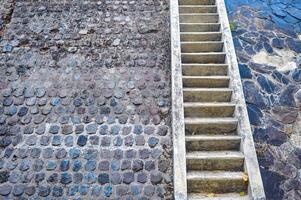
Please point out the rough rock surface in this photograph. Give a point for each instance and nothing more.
(265, 35)
(85, 100)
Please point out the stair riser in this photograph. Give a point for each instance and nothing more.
(207, 96)
(190, 70)
(196, 2)
(213, 145)
(216, 186)
(204, 58)
(192, 9)
(200, 18)
(199, 27)
(201, 37)
(206, 82)
(215, 129)
(202, 47)
(214, 111)
(234, 164)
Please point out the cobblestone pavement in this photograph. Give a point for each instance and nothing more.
(269, 52)
(85, 100)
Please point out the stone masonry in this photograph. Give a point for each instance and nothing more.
(268, 48)
(85, 100)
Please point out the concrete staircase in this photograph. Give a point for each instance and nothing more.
(215, 159)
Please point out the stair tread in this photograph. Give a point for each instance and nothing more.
(204, 64)
(214, 154)
(207, 89)
(207, 77)
(211, 137)
(226, 196)
(214, 175)
(209, 6)
(207, 104)
(214, 120)
(205, 53)
(202, 42)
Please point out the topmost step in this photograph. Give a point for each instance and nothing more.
(196, 2)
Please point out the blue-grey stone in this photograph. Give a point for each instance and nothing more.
(77, 177)
(90, 154)
(83, 189)
(104, 165)
(24, 165)
(117, 141)
(108, 190)
(55, 101)
(5, 189)
(103, 178)
(47, 153)
(137, 165)
(69, 141)
(156, 178)
(255, 114)
(56, 140)
(96, 190)
(116, 178)
(22, 111)
(253, 94)
(11, 110)
(91, 128)
(54, 129)
(74, 153)
(60, 153)
(82, 140)
(128, 177)
(142, 177)
(64, 165)
(244, 71)
(153, 141)
(138, 129)
(103, 130)
(43, 191)
(149, 165)
(126, 164)
(57, 191)
(18, 190)
(136, 190)
(90, 165)
(7, 48)
(72, 190)
(77, 165)
(115, 165)
(90, 177)
(266, 84)
(66, 178)
(51, 165)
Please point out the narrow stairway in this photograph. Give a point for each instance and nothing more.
(215, 162)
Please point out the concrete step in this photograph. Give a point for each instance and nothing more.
(206, 81)
(198, 9)
(194, 109)
(217, 58)
(200, 27)
(210, 126)
(205, 69)
(216, 182)
(226, 196)
(196, 2)
(207, 94)
(215, 160)
(199, 18)
(212, 142)
(200, 36)
(196, 47)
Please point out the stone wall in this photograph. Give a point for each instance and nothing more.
(265, 35)
(85, 100)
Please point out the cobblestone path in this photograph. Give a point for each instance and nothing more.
(85, 100)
